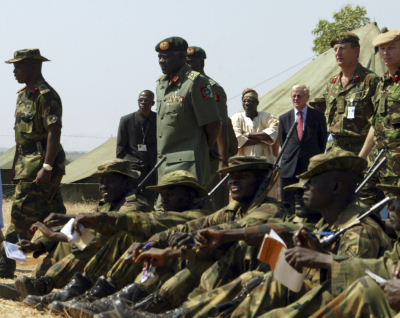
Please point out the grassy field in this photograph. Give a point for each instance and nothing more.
(14, 309)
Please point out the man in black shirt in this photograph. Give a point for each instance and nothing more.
(137, 141)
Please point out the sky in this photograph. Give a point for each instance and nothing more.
(103, 52)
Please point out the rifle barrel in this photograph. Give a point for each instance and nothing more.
(378, 157)
(369, 176)
(151, 172)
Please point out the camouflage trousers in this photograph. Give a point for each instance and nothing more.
(114, 251)
(364, 298)
(32, 203)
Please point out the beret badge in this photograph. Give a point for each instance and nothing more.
(190, 51)
(164, 45)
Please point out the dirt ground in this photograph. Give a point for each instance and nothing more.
(14, 309)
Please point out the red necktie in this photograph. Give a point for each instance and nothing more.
(300, 125)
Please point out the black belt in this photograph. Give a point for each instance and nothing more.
(31, 148)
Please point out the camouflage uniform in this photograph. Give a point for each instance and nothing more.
(349, 134)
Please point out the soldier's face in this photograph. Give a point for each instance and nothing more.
(301, 209)
(145, 101)
(250, 104)
(170, 62)
(299, 98)
(194, 63)
(395, 214)
(177, 198)
(317, 191)
(390, 54)
(344, 54)
(113, 187)
(243, 185)
(22, 71)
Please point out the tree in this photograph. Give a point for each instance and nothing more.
(347, 19)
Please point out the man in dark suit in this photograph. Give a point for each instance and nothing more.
(308, 140)
(137, 140)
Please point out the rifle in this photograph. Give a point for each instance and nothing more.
(273, 174)
(140, 185)
(369, 176)
(380, 154)
(328, 240)
(199, 204)
(224, 310)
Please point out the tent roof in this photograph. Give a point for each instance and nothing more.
(316, 73)
(86, 165)
(7, 158)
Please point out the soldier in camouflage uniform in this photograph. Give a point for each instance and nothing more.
(246, 175)
(348, 96)
(384, 132)
(39, 161)
(179, 190)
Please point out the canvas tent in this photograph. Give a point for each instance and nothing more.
(316, 73)
(77, 185)
(6, 161)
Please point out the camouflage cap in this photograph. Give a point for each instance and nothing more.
(246, 163)
(320, 100)
(340, 160)
(345, 37)
(296, 186)
(179, 178)
(172, 44)
(196, 52)
(386, 36)
(116, 166)
(27, 54)
(389, 188)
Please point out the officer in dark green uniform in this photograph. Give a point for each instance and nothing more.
(188, 121)
(39, 161)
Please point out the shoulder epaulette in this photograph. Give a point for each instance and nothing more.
(43, 88)
(21, 90)
(159, 79)
(192, 75)
(212, 82)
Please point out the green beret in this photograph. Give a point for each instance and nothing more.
(196, 52)
(344, 37)
(116, 166)
(172, 44)
(340, 160)
(246, 163)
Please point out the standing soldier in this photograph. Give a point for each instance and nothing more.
(188, 120)
(39, 161)
(348, 96)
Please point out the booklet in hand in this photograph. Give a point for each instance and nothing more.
(80, 241)
(272, 252)
(13, 252)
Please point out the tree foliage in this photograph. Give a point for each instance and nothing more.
(347, 19)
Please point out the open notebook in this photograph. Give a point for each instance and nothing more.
(13, 252)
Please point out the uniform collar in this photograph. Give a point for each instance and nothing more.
(388, 79)
(354, 78)
(36, 86)
(178, 79)
(350, 213)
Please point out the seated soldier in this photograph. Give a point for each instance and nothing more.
(116, 186)
(246, 175)
(179, 190)
(326, 192)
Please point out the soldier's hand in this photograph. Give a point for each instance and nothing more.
(208, 239)
(86, 221)
(395, 271)
(158, 256)
(28, 247)
(181, 239)
(299, 257)
(47, 232)
(392, 290)
(303, 238)
(42, 177)
(136, 248)
(56, 219)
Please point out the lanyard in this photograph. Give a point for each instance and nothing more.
(145, 132)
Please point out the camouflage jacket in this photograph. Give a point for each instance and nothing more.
(386, 122)
(358, 93)
(33, 114)
(365, 239)
(229, 217)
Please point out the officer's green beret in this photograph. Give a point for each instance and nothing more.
(340, 160)
(179, 178)
(27, 54)
(172, 44)
(246, 163)
(320, 100)
(196, 52)
(116, 166)
(344, 37)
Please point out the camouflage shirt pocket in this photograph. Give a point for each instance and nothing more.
(24, 117)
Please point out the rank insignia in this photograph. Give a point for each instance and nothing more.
(190, 51)
(176, 78)
(164, 45)
(217, 97)
(357, 78)
(395, 78)
(34, 90)
(335, 79)
(207, 92)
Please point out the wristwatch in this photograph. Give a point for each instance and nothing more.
(47, 167)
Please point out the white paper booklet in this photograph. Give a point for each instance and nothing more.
(80, 241)
(13, 252)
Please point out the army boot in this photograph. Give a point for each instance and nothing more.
(131, 293)
(8, 291)
(77, 286)
(154, 303)
(101, 289)
(34, 286)
(7, 267)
